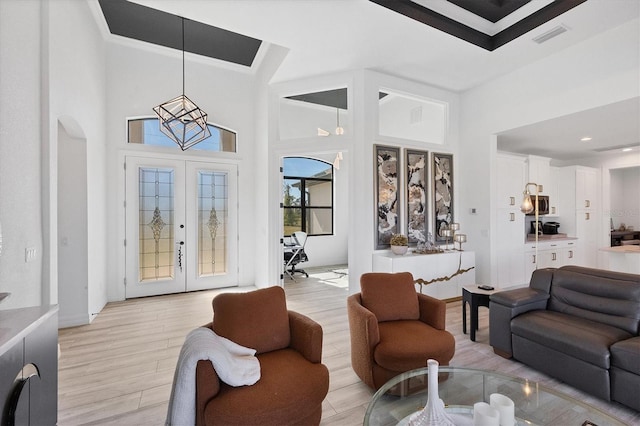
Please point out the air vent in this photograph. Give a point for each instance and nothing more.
(556, 31)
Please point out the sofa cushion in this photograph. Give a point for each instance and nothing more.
(256, 319)
(577, 337)
(626, 355)
(607, 297)
(290, 387)
(390, 296)
(406, 345)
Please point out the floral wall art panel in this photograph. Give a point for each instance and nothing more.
(442, 192)
(387, 181)
(417, 195)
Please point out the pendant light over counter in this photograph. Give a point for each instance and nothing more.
(181, 119)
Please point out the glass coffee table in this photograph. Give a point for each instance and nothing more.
(460, 388)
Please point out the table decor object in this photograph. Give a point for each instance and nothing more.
(399, 244)
(433, 413)
(505, 407)
(485, 415)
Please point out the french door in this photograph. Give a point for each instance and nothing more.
(181, 226)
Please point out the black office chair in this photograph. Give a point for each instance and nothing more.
(295, 254)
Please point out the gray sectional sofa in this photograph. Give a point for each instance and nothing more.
(579, 325)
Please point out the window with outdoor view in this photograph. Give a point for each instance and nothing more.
(307, 196)
(146, 131)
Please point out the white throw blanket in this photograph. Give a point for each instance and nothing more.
(234, 364)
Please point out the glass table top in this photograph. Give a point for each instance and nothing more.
(460, 388)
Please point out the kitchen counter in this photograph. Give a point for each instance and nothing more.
(622, 249)
(624, 258)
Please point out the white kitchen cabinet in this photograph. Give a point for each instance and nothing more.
(552, 191)
(509, 221)
(580, 210)
(510, 173)
(509, 251)
(539, 172)
(587, 231)
(586, 188)
(551, 254)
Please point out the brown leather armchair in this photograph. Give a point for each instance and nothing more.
(394, 329)
(293, 381)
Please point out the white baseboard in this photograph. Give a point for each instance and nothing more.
(65, 321)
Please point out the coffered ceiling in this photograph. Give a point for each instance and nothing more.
(464, 18)
(331, 36)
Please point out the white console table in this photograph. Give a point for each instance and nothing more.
(431, 266)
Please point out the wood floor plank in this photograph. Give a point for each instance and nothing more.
(118, 370)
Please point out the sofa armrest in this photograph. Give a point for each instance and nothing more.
(432, 311)
(207, 387)
(505, 305)
(365, 335)
(306, 336)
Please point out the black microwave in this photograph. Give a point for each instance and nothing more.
(543, 205)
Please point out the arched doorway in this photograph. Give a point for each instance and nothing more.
(72, 224)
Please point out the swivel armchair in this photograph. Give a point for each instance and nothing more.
(394, 329)
(293, 381)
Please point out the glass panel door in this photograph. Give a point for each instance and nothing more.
(181, 226)
(155, 221)
(211, 200)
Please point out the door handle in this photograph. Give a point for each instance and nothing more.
(534, 259)
(180, 244)
(512, 201)
(587, 216)
(9, 414)
(512, 217)
(570, 254)
(587, 203)
(553, 256)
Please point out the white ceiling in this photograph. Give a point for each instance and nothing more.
(329, 36)
(610, 128)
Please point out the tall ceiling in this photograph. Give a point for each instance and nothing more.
(330, 36)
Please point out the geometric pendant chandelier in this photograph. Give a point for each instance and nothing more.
(181, 119)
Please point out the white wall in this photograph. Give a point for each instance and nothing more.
(596, 72)
(77, 93)
(142, 77)
(362, 218)
(20, 147)
(73, 261)
(625, 197)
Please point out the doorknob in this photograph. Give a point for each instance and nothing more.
(181, 226)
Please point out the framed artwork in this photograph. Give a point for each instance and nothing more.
(386, 194)
(442, 193)
(416, 165)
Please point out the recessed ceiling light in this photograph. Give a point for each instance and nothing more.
(627, 149)
(585, 139)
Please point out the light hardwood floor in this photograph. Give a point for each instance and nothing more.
(119, 369)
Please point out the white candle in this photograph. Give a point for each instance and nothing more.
(485, 415)
(505, 407)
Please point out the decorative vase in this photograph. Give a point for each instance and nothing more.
(399, 249)
(433, 413)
